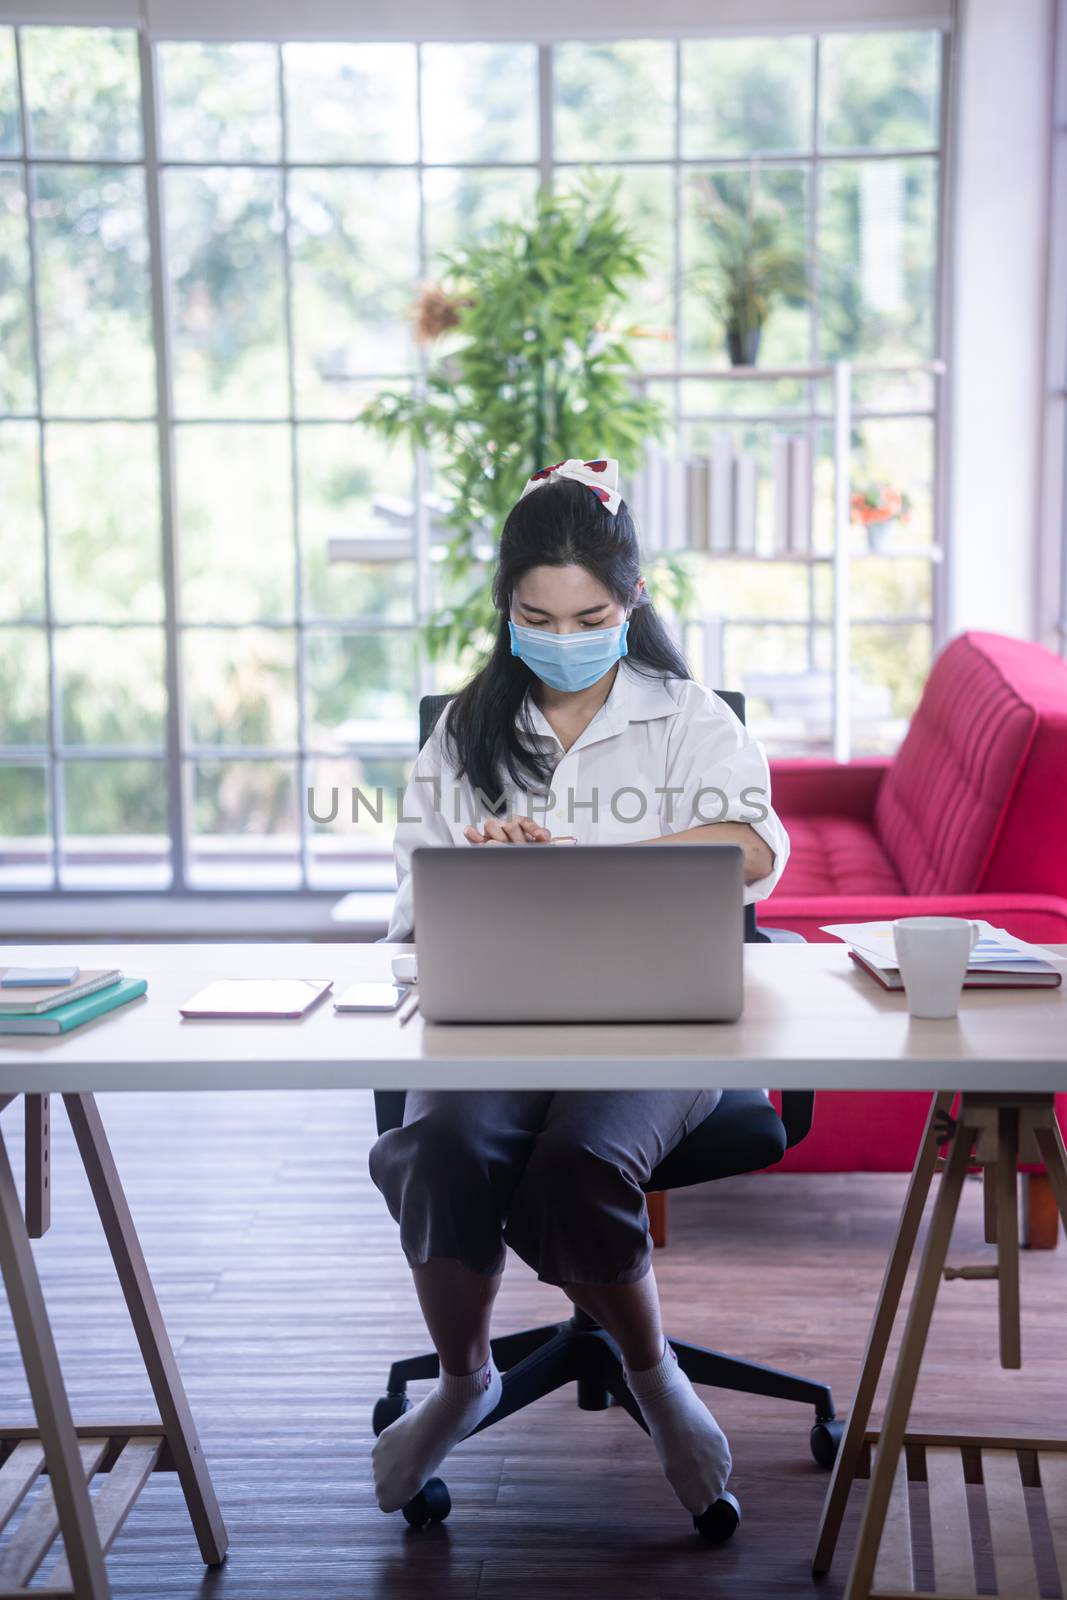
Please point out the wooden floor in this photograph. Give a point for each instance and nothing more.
(286, 1295)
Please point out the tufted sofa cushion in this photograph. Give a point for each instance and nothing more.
(941, 805)
(831, 855)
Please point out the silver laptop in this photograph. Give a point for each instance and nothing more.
(582, 933)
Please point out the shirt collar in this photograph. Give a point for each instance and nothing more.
(634, 697)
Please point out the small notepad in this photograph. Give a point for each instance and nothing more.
(37, 977)
(256, 997)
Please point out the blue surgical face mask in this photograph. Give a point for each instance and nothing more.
(569, 661)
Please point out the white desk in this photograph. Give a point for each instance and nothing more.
(812, 1020)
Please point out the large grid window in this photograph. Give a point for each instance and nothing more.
(211, 577)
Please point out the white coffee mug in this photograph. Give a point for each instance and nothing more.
(933, 953)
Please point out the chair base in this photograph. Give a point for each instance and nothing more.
(537, 1361)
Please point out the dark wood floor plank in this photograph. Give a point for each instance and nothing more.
(286, 1296)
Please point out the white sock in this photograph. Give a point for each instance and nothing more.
(411, 1449)
(692, 1448)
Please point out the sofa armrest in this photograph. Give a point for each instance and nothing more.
(803, 788)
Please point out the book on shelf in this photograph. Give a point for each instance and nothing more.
(746, 485)
(697, 501)
(61, 1019)
(652, 497)
(721, 493)
(782, 491)
(674, 515)
(791, 478)
(800, 493)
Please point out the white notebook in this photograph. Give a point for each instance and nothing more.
(257, 997)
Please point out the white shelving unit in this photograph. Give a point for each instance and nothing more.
(718, 501)
(724, 516)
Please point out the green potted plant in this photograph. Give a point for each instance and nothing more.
(756, 262)
(535, 369)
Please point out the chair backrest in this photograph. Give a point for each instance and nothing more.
(797, 1105)
(430, 708)
(973, 800)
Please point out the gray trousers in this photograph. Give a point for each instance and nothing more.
(555, 1175)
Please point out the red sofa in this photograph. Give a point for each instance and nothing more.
(968, 819)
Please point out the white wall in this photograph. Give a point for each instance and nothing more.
(1052, 603)
(997, 310)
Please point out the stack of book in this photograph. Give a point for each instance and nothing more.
(998, 961)
(40, 1000)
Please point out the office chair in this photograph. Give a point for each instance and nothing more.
(743, 1134)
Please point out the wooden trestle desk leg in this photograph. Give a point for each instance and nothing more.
(1005, 1127)
(1006, 1181)
(149, 1327)
(66, 1473)
(902, 1390)
(848, 1455)
(989, 1203)
(1054, 1155)
(38, 1190)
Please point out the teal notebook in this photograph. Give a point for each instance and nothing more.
(62, 1018)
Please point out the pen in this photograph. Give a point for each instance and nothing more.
(406, 1015)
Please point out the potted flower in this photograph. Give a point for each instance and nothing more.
(756, 262)
(879, 507)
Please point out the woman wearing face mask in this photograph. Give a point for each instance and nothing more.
(583, 723)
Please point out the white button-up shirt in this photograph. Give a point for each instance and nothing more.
(660, 755)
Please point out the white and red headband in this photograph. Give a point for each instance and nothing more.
(601, 476)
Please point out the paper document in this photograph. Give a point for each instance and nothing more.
(995, 950)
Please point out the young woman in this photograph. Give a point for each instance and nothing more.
(584, 722)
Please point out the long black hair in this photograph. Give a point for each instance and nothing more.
(559, 524)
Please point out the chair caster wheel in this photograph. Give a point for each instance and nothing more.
(387, 1409)
(720, 1521)
(825, 1439)
(432, 1504)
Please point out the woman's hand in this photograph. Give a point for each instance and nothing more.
(515, 830)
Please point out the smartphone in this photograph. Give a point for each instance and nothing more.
(372, 997)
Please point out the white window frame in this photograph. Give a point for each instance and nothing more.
(156, 20)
